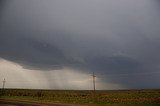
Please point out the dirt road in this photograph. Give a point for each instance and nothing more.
(9, 102)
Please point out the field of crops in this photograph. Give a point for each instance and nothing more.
(102, 98)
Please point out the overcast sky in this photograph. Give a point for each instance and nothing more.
(61, 42)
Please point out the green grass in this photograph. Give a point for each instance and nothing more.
(102, 98)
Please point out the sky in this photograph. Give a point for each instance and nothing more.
(58, 44)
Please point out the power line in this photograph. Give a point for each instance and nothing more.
(130, 74)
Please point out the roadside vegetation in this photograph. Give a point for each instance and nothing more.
(86, 97)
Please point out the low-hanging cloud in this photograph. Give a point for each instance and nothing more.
(109, 37)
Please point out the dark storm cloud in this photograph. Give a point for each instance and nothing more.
(109, 37)
(116, 64)
(31, 53)
(2, 5)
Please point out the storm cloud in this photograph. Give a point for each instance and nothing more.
(117, 39)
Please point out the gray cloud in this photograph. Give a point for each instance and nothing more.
(109, 37)
(31, 53)
(114, 65)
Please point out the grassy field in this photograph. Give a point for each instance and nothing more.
(102, 98)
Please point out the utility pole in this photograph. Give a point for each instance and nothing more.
(94, 84)
(4, 81)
